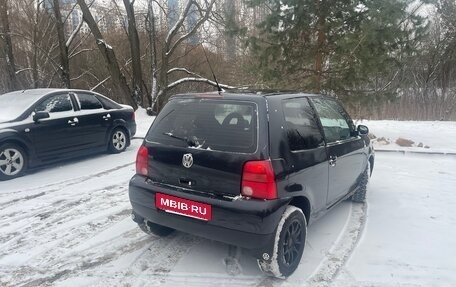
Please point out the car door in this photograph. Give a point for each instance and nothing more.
(94, 120)
(305, 156)
(343, 145)
(53, 137)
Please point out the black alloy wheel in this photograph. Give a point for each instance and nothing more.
(292, 243)
(288, 244)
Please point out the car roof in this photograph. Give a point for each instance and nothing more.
(38, 93)
(33, 92)
(241, 93)
(45, 91)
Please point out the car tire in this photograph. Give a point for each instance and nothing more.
(289, 244)
(155, 229)
(360, 193)
(13, 161)
(118, 140)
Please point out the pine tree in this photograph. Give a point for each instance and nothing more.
(341, 46)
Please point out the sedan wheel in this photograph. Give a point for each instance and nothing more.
(119, 141)
(12, 161)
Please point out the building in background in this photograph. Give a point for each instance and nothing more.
(108, 15)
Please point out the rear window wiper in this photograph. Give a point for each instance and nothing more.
(190, 141)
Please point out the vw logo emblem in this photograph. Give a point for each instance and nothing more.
(187, 160)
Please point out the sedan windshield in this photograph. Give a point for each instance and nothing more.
(13, 104)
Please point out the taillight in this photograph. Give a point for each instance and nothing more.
(258, 180)
(142, 159)
(133, 116)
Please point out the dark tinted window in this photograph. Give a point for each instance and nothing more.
(334, 119)
(55, 104)
(89, 102)
(301, 124)
(212, 124)
(108, 104)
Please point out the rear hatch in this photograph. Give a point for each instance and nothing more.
(202, 144)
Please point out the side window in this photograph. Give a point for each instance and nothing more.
(333, 119)
(301, 125)
(108, 104)
(89, 102)
(55, 104)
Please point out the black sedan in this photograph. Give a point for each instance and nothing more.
(41, 126)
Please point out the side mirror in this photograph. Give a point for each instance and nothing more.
(40, 115)
(363, 130)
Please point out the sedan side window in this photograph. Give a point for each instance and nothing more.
(55, 104)
(89, 102)
(301, 125)
(333, 120)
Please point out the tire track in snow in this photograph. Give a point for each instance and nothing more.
(83, 261)
(343, 248)
(337, 255)
(149, 268)
(56, 186)
(159, 260)
(49, 222)
(52, 232)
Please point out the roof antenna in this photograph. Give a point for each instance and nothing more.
(219, 89)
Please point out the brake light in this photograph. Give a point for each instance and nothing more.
(142, 160)
(258, 180)
(133, 116)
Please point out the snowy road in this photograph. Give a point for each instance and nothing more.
(69, 225)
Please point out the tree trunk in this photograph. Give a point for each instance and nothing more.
(137, 82)
(12, 82)
(35, 49)
(108, 54)
(321, 39)
(153, 56)
(163, 76)
(64, 69)
(230, 41)
(163, 79)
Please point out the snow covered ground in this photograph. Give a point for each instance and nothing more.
(439, 136)
(69, 225)
(410, 237)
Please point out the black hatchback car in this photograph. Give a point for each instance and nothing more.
(40, 126)
(249, 169)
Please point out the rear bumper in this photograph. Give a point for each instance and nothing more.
(250, 224)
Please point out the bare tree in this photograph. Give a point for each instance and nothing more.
(108, 54)
(153, 50)
(176, 36)
(64, 68)
(5, 36)
(137, 82)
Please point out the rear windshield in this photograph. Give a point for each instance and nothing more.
(207, 124)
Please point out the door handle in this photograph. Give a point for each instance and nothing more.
(73, 122)
(107, 117)
(332, 160)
